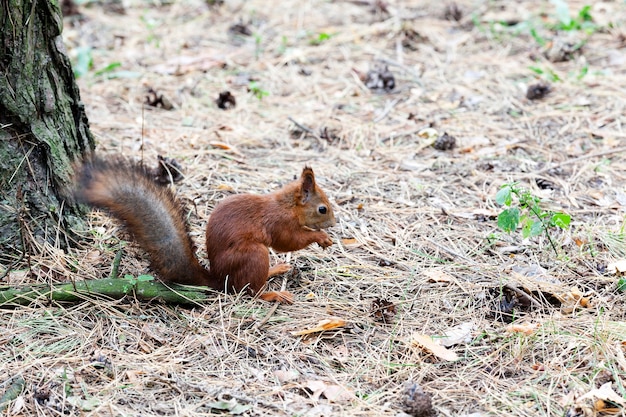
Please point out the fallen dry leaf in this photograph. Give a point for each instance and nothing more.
(617, 267)
(426, 342)
(224, 187)
(437, 275)
(602, 406)
(326, 324)
(349, 241)
(606, 393)
(332, 392)
(226, 147)
(133, 378)
(458, 334)
(337, 393)
(220, 145)
(525, 327)
(93, 256)
(572, 299)
(286, 375)
(316, 387)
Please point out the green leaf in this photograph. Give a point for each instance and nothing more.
(320, 38)
(584, 15)
(561, 220)
(84, 61)
(531, 227)
(621, 285)
(536, 228)
(108, 68)
(509, 219)
(562, 13)
(503, 197)
(539, 39)
(142, 278)
(14, 388)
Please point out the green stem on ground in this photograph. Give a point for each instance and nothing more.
(103, 288)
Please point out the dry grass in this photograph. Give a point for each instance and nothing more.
(407, 211)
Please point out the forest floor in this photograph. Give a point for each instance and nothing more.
(445, 313)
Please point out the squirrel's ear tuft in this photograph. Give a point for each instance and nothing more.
(307, 183)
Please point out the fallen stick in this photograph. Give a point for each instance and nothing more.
(111, 288)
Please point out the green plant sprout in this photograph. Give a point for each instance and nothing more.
(83, 62)
(151, 25)
(282, 48)
(548, 73)
(108, 69)
(321, 38)
(256, 89)
(534, 219)
(582, 21)
(258, 45)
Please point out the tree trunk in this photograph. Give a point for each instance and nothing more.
(43, 128)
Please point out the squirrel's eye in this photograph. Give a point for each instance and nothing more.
(322, 209)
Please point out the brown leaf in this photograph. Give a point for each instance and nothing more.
(286, 375)
(427, 343)
(337, 393)
(461, 333)
(225, 146)
(316, 387)
(220, 145)
(606, 393)
(437, 275)
(572, 299)
(525, 327)
(349, 241)
(617, 267)
(333, 392)
(326, 324)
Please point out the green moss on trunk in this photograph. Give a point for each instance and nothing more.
(43, 129)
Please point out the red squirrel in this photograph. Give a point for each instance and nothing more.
(239, 232)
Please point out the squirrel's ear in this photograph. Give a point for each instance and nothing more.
(307, 183)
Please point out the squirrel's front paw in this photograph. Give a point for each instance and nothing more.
(324, 240)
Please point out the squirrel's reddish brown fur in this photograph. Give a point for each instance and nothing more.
(239, 232)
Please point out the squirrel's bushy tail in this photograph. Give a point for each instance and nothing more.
(150, 213)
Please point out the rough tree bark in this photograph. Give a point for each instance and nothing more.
(43, 128)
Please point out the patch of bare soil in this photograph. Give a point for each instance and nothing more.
(444, 313)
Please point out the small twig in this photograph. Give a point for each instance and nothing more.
(271, 311)
(581, 158)
(265, 319)
(449, 251)
(303, 128)
(388, 107)
(400, 134)
(116, 264)
(522, 294)
(13, 265)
